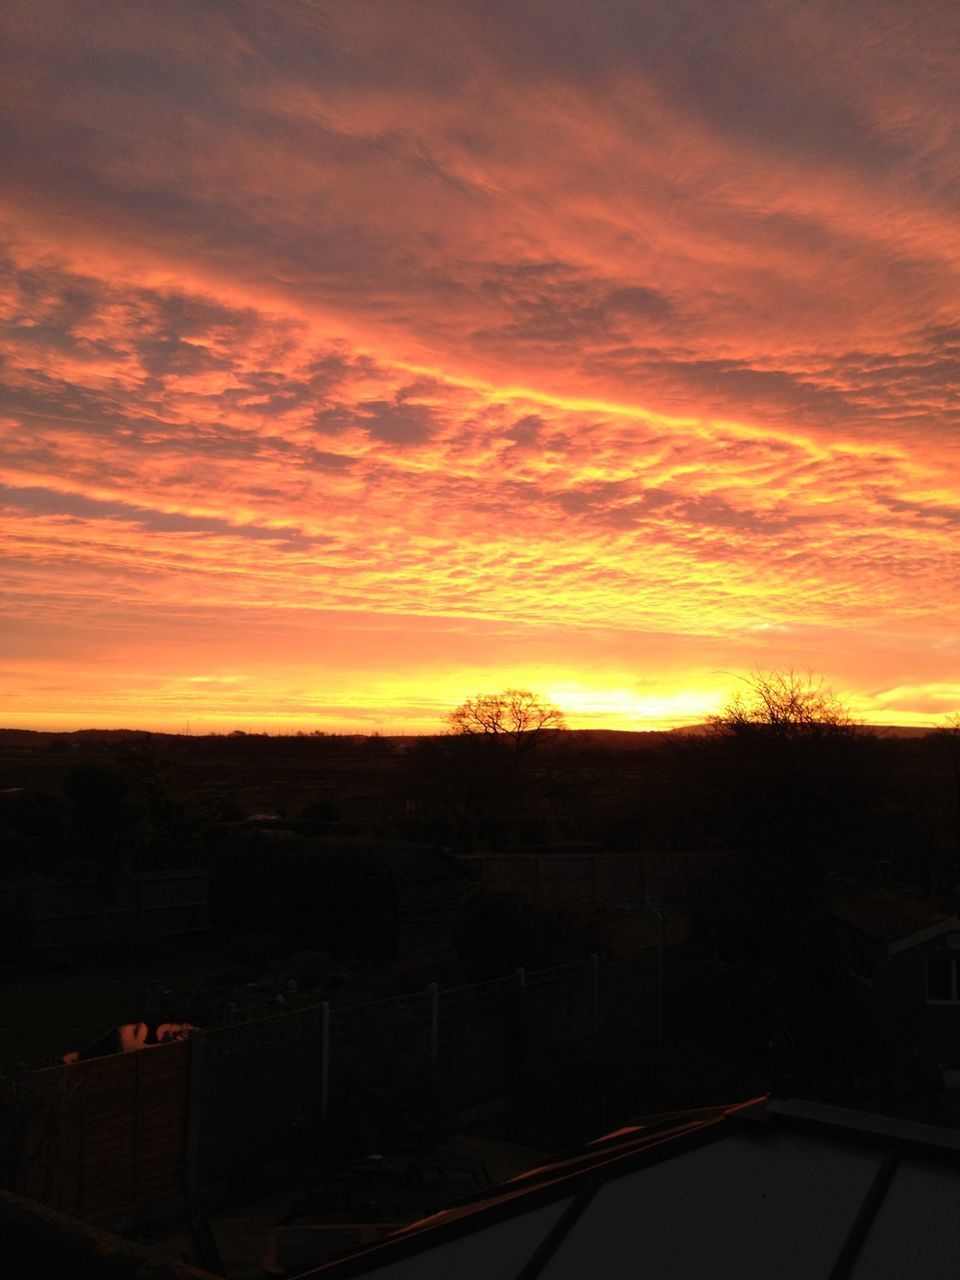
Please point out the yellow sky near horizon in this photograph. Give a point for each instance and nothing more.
(358, 359)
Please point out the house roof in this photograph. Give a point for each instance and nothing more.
(770, 1187)
(897, 922)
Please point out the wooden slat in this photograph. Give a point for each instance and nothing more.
(110, 1134)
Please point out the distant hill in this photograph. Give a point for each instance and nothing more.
(37, 737)
(881, 730)
(597, 737)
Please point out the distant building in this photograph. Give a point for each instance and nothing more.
(587, 875)
(899, 968)
(431, 888)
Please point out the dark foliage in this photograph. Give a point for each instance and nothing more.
(338, 901)
(501, 932)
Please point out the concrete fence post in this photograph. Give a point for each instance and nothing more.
(595, 991)
(433, 993)
(520, 978)
(520, 1019)
(324, 1062)
(194, 1116)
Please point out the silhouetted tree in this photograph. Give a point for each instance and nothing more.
(122, 816)
(484, 776)
(500, 931)
(101, 817)
(516, 716)
(948, 737)
(784, 703)
(31, 832)
(331, 899)
(794, 787)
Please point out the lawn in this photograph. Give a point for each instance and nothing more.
(43, 1015)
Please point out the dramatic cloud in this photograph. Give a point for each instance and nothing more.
(357, 357)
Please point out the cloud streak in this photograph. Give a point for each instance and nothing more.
(592, 326)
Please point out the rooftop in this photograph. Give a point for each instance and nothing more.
(766, 1188)
(889, 918)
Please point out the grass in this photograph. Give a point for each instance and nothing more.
(44, 1015)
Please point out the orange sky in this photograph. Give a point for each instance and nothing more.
(357, 358)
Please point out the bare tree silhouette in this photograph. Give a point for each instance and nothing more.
(515, 715)
(784, 702)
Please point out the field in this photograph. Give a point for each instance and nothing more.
(44, 1015)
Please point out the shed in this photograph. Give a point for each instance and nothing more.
(898, 962)
(431, 888)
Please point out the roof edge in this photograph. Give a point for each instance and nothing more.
(866, 1124)
(448, 1225)
(950, 924)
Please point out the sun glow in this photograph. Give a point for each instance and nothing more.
(625, 708)
(328, 405)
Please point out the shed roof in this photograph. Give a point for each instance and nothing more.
(890, 918)
(769, 1187)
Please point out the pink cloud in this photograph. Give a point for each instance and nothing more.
(507, 316)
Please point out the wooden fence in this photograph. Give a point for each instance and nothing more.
(52, 914)
(109, 1135)
(103, 1138)
(464, 1046)
(570, 879)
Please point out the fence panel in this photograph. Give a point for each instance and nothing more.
(560, 1003)
(108, 1136)
(386, 1043)
(50, 914)
(256, 1080)
(633, 988)
(100, 1138)
(482, 1040)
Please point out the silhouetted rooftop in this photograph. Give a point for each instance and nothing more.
(768, 1188)
(889, 918)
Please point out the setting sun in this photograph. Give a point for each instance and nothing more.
(358, 369)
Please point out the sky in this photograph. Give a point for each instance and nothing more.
(359, 357)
